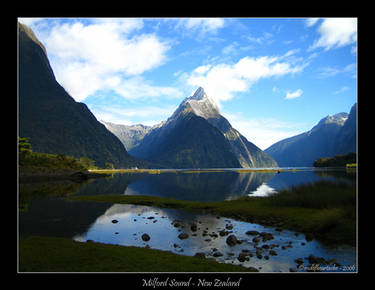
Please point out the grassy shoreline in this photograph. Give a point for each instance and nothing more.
(53, 254)
(324, 210)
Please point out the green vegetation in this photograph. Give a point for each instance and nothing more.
(325, 209)
(46, 161)
(336, 161)
(351, 165)
(113, 171)
(50, 254)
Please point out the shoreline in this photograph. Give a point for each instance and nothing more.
(32, 174)
(192, 170)
(329, 225)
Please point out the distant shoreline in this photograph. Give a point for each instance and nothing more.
(44, 174)
(188, 170)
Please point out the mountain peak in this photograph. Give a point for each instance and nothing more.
(202, 105)
(199, 94)
(27, 30)
(338, 119)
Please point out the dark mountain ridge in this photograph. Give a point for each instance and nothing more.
(332, 135)
(52, 119)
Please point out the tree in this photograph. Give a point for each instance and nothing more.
(109, 165)
(87, 162)
(24, 145)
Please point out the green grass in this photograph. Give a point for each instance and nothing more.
(46, 161)
(50, 254)
(325, 209)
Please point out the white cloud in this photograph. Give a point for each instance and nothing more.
(327, 72)
(29, 20)
(86, 58)
(222, 81)
(230, 49)
(341, 90)
(150, 115)
(292, 52)
(138, 88)
(201, 25)
(311, 21)
(336, 32)
(293, 95)
(264, 39)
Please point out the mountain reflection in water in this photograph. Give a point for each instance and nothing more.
(206, 186)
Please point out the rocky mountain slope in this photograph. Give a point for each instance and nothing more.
(130, 136)
(332, 135)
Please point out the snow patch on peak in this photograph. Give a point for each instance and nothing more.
(199, 94)
(338, 119)
(202, 104)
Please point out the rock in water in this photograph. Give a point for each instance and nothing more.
(232, 240)
(183, 236)
(146, 237)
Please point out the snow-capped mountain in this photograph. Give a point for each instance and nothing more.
(196, 135)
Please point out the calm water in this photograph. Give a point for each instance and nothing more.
(82, 221)
(208, 186)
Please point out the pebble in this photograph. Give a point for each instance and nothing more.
(200, 255)
(146, 237)
(217, 254)
(229, 227)
(252, 233)
(183, 236)
(299, 261)
(242, 257)
(176, 223)
(273, 253)
(256, 240)
(231, 240)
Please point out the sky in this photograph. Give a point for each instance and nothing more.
(272, 78)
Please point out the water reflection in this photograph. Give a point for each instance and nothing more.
(207, 186)
(46, 212)
(263, 190)
(164, 226)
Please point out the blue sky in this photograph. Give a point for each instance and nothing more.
(272, 78)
